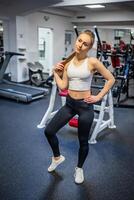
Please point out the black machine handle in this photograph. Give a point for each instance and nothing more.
(98, 37)
(13, 53)
(76, 31)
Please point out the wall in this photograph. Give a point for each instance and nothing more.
(57, 23)
(22, 36)
(9, 36)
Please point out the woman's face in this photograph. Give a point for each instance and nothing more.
(83, 43)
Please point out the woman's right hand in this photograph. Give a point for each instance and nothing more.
(59, 67)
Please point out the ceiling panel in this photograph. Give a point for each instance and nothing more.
(114, 6)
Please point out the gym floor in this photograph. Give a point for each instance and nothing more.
(25, 156)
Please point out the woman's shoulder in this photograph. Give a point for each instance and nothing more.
(92, 60)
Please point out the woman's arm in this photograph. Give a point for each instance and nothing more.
(62, 82)
(60, 73)
(107, 75)
(110, 80)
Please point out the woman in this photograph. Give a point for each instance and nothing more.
(77, 77)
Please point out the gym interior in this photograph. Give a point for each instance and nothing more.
(34, 35)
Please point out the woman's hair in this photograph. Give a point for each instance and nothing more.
(91, 34)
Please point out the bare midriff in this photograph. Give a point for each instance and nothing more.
(79, 94)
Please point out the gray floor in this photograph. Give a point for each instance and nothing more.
(25, 156)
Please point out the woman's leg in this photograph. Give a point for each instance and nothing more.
(57, 122)
(85, 120)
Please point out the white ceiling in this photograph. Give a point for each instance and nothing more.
(123, 9)
(110, 5)
(20, 7)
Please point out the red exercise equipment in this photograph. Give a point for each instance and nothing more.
(73, 122)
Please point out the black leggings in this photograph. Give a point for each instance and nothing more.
(85, 118)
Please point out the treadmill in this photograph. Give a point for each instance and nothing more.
(16, 91)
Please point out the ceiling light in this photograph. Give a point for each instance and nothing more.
(95, 6)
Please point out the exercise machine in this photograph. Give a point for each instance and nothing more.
(19, 92)
(105, 108)
(123, 90)
(36, 75)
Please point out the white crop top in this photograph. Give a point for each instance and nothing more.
(80, 76)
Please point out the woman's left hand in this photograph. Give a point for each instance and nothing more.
(92, 99)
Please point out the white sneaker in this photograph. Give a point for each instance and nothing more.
(55, 163)
(79, 175)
